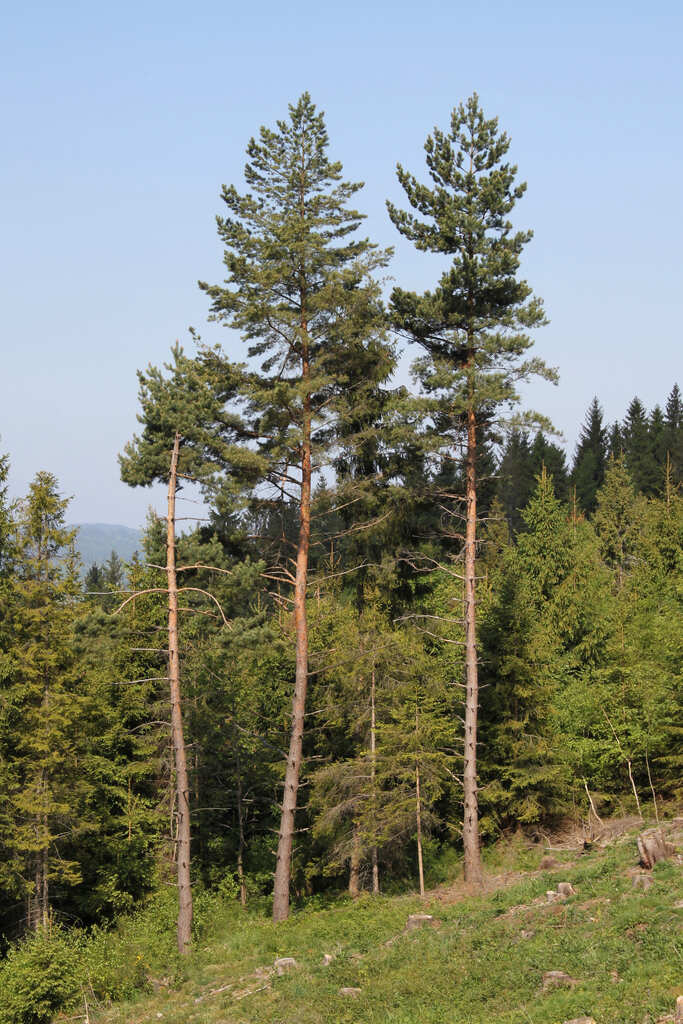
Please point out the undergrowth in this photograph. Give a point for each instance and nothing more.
(485, 962)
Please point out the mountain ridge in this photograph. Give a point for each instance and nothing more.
(96, 541)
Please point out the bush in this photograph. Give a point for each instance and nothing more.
(39, 977)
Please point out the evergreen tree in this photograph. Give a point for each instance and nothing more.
(548, 456)
(516, 474)
(474, 329)
(44, 703)
(301, 292)
(5, 518)
(673, 433)
(638, 453)
(93, 583)
(590, 458)
(615, 441)
(560, 628)
(618, 520)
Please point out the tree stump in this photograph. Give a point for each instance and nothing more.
(652, 847)
(557, 979)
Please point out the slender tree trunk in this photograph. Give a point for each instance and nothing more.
(470, 828)
(283, 866)
(418, 817)
(373, 781)
(354, 867)
(44, 894)
(182, 784)
(240, 825)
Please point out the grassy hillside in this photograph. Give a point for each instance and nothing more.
(482, 959)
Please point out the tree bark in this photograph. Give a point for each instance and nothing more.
(240, 823)
(182, 785)
(283, 866)
(418, 816)
(470, 828)
(373, 781)
(354, 867)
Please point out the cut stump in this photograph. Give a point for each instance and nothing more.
(653, 847)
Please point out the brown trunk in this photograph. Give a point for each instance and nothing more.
(44, 895)
(240, 848)
(283, 866)
(470, 827)
(418, 817)
(373, 773)
(182, 786)
(354, 867)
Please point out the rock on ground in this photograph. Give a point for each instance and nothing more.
(284, 964)
(556, 979)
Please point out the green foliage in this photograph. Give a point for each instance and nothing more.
(590, 458)
(301, 291)
(38, 978)
(474, 325)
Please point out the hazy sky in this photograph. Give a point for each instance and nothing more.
(121, 121)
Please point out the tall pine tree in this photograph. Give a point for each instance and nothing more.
(301, 291)
(474, 329)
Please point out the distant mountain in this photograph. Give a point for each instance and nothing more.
(96, 541)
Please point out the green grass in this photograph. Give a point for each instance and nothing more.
(475, 968)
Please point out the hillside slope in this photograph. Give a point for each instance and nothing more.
(96, 541)
(481, 959)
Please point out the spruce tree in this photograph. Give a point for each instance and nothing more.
(550, 457)
(673, 433)
(618, 520)
(638, 453)
(657, 433)
(516, 474)
(590, 457)
(45, 703)
(474, 329)
(615, 441)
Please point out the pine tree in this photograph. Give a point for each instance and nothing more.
(590, 458)
(301, 292)
(474, 329)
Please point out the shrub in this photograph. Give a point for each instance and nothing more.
(39, 977)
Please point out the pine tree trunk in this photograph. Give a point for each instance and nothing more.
(354, 867)
(373, 781)
(283, 866)
(182, 785)
(418, 816)
(470, 828)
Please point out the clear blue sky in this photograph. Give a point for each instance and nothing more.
(121, 121)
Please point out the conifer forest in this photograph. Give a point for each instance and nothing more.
(374, 623)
